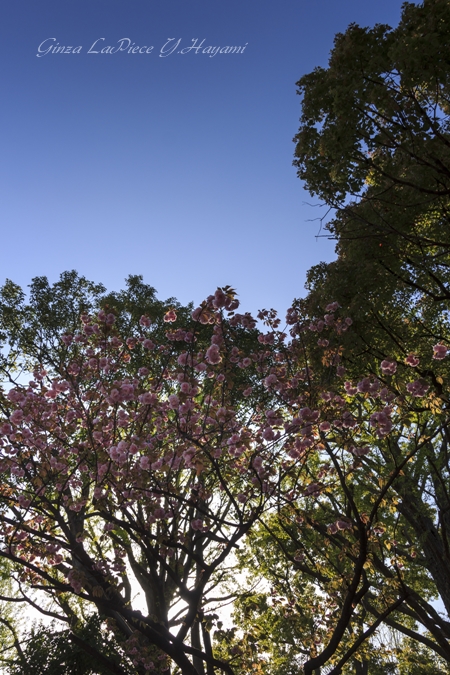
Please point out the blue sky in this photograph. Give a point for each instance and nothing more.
(176, 167)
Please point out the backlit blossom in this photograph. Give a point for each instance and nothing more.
(439, 352)
(388, 367)
(213, 355)
(418, 388)
(170, 316)
(412, 360)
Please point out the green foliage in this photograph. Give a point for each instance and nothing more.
(32, 327)
(380, 110)
(374, 145)
(48, 650)
(11, 616)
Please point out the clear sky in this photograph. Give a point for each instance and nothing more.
(174, 166)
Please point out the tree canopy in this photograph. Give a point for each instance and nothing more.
(172, 453)
(159, 463)
(373, 145)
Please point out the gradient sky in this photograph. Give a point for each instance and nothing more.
(178, 167)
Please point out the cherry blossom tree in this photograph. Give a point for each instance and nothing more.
(358, 539)
(160, 453)
(110, 469)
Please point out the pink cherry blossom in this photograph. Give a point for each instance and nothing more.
(174, 401)
(418, 388)
(343, 525)
(170, 316)
(439, 352)
(363, 386)
(350, 389)
(213, 355)
(16, 417)
(219, 299)
(148, 344)
(388, 367)
(145, 463)
(412, 360)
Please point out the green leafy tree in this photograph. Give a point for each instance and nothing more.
(373, 145)
(85, 650)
